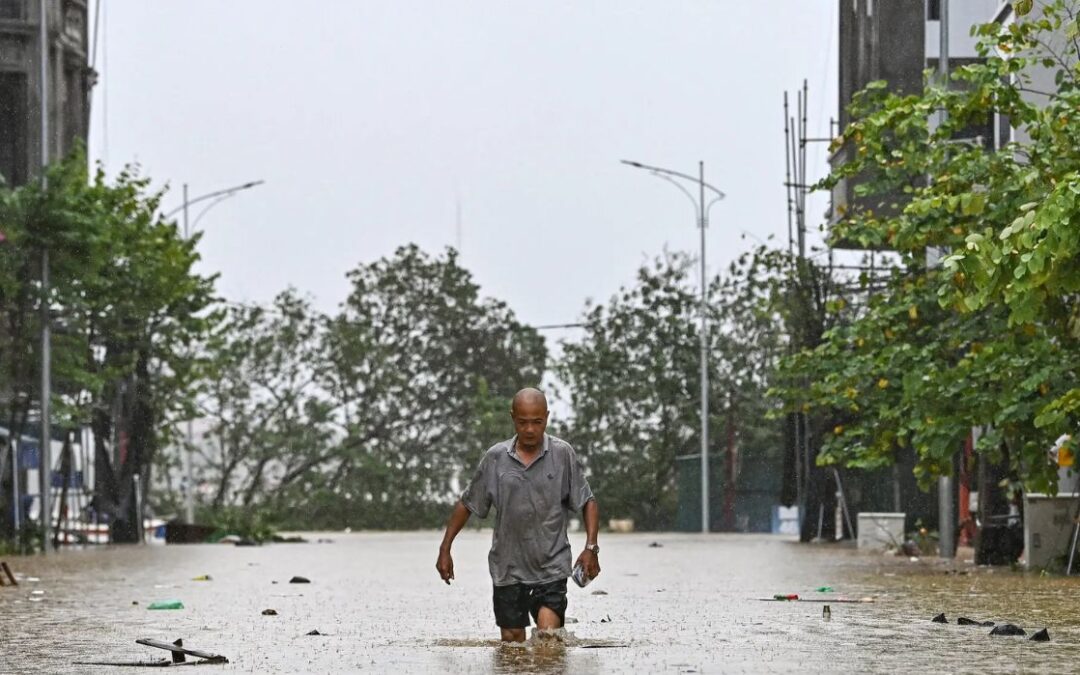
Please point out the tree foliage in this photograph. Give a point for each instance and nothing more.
(634, 381)
(125, 308)
(369, 417)
(987, 339)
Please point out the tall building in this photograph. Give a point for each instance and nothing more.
(68, 83)
(898, 41)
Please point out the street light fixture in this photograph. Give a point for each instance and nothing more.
(217, 196)
(701, 209)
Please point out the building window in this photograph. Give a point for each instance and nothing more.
(11, 9)
(13, 128)
(933, 10)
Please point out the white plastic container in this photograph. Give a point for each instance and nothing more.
(1048, 528)
(881, 530)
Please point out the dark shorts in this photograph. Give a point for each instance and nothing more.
(514, 604)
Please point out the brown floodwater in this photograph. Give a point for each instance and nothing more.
(688, 605)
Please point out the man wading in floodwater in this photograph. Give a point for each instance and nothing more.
(535, 483)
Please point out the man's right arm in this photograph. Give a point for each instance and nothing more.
(457, 520)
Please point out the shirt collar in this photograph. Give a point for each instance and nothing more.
(511, 447)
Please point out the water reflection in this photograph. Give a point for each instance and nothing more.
(539, 656)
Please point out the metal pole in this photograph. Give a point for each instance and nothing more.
(946, 545)
(15, 482)
(803, 105)
(44, 455)
(43, 38)
(189, 485)
(138, 507)
(704, 359)
(702, 211)
(943, 54)
(787, 176)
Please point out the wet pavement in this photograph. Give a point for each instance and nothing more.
(689, 604)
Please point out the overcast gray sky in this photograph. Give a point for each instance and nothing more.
(370, 120)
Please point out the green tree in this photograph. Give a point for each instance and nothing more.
(414, 355)
(265, 412)
(374, 416)
(125, 308)
(634, 383)
(984, 340)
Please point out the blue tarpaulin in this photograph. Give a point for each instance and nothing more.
(29, 457)
(75, 482)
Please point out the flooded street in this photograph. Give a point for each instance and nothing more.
(689, 604)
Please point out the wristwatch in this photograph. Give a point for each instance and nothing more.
(595, 548)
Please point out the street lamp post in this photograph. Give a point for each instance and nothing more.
(702, 212)
(217, 196)
(45, 440)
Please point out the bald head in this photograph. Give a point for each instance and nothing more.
(530, 413)
(528, 397)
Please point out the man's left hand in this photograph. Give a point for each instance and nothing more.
(590, 562)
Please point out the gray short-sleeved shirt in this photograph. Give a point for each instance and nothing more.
(532, 507)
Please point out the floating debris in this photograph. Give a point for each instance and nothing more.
(202, 577)
(841, 600)
(314, 632)
(910, 549)
(1008, 629)
(269, 612)
(606, 620)
(296, 539)
(178, 652)
(964, 621)
(166, 604)
(5, 573)
(1041, 636)
(656, 544)
(940, 618)
(299, 580)
(599, 592)
(823, 589)
(826, 613)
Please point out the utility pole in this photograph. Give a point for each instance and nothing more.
(217, 196)
(704, 358)
(946, 546)
(702, 210)
(189, 486)
(45, 454)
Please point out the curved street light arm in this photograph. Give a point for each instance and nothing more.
(211, 195)
(221, 198)
(656, 169)
(708, 207)
(681, 189)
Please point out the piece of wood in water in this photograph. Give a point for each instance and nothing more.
(853, 601)
(179, 651)
(158, 663)
(7, 572)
